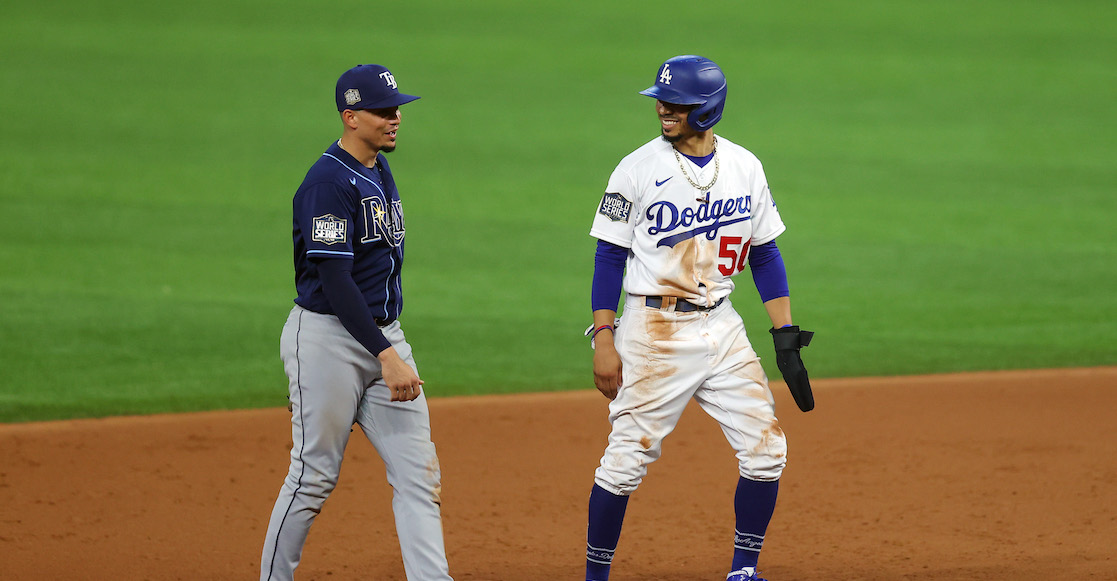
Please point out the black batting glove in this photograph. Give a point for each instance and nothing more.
(788, 341)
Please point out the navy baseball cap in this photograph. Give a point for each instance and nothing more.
(369, 87)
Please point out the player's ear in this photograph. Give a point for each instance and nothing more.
(349, 118)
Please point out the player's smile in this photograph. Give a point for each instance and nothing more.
(672, 119)
(382, 127)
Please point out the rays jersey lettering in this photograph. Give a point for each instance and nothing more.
(682, 241)
(382, 223)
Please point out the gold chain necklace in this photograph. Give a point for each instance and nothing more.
(686, 174)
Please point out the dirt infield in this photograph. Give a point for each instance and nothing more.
(989, 476)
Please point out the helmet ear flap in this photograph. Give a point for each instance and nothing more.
(709, 113)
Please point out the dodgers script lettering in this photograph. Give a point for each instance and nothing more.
(707, 219)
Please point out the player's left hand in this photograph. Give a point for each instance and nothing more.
(788, 341)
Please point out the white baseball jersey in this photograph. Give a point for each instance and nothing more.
(684, 242)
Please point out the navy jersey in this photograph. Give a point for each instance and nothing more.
(346, 210)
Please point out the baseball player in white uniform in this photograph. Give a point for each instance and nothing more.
(680, 217)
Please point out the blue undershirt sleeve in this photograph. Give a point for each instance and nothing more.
(608, 271)
(768, 271)
(348, 303)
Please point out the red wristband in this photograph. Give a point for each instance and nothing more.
(600, 329)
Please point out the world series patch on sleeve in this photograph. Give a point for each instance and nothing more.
(615, 207)
(328, 229)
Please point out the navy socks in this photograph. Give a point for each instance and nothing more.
(754, 503)
(606, 516)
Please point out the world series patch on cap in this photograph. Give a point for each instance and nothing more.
(369, 87)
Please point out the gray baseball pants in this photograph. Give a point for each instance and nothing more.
(334, 383)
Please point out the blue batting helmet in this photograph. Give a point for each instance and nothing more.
(692, 80)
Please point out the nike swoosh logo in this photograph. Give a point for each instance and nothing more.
(659, 183)
(353, 181)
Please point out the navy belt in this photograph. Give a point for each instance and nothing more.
(681, 305)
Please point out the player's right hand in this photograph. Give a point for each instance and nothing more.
(607, 368)
(403, 383)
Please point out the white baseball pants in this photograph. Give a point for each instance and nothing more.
(670, 357)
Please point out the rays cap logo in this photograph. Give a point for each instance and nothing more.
(369, 87)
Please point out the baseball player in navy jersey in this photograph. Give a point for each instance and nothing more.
(344, 352)
(680, 217)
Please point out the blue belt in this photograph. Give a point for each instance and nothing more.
(681, 305)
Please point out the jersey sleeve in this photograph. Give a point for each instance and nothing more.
(766, 221)
(616, 213)
(325, 213)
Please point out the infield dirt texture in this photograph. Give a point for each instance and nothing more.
(975, 477)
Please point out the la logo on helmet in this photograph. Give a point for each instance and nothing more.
(665, 75)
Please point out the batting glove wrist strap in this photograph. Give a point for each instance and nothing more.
(791, 337)
(788, 341)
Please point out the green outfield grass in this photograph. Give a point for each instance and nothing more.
(946, 171)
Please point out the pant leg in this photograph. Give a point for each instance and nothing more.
(325, 384)
(737, 396)
(401, 434)
(664, 358)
